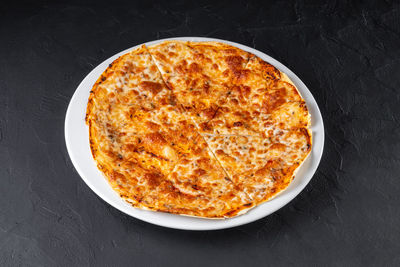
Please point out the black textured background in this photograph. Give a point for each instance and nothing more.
(348, 54)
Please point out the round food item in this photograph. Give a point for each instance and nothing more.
(197, 128)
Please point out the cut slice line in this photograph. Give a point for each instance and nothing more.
(158, 69)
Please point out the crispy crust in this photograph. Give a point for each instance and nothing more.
(160, 184)
(103, 77)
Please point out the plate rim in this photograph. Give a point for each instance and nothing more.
(201, 224)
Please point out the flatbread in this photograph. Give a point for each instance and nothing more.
(197, 128)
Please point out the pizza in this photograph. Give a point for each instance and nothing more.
(201, 129)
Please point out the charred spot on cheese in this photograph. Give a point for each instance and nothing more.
(152, 87)
(153, 179)
(270, 72)
(194, 67)
(206, 87)
(234, 62)
(155, 139)
(199, 172)
(209, 112)
(152, 126)
(273, 100)
(172, 100)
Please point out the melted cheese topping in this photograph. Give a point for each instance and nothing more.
(199, 74)
(199, 129)
(244, 154)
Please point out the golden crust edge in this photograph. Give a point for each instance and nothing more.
(163, 43)
(196, 43)
(215, 44)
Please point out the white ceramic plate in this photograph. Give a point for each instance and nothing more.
(77, 140)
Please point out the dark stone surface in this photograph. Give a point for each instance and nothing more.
(347, 53)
